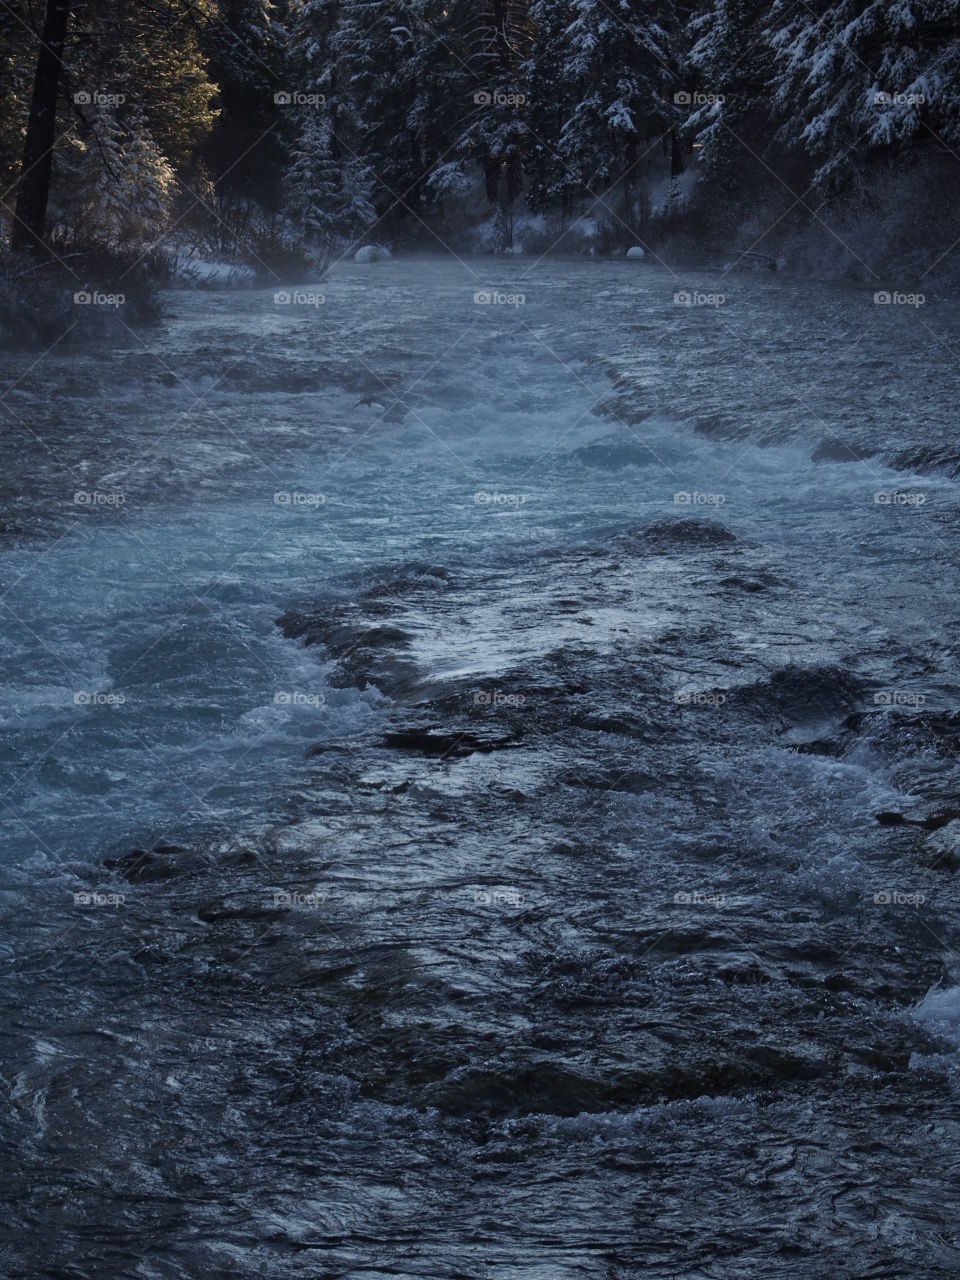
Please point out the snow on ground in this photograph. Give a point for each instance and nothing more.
(213, 274)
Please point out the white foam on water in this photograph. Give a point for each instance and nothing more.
(939, 1011)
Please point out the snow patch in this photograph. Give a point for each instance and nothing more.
(372, 253)
(203, 274)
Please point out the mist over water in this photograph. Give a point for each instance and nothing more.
(443, 743)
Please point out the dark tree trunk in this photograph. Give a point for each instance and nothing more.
(503, 182)
(500, 42)
(629, 178)
(30, 218)
(676, 154)
(491, 176)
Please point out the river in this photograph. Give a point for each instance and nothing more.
(444, 721)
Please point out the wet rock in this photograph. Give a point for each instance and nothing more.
(940, 819)
(832, 449)
(430, 742)
(888, 818)
(140, 866)
(805, 696)
(688, 533)
(932, 822)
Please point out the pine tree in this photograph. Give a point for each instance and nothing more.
(731, 90)
(331, 183)
(133, 185)
(246, 44)
(142, 61)
(151, 58)
(328, 195)
(860, 77)
(33, 190)
(617, 62)
(552, 183)
(17, 60)
(495, 37)
(441, 86)
(468, 66)
(369, 49)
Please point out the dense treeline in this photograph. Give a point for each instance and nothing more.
(250, 125)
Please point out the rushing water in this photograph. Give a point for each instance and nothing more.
(443, 745)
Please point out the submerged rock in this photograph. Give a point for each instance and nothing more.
(143, 865)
